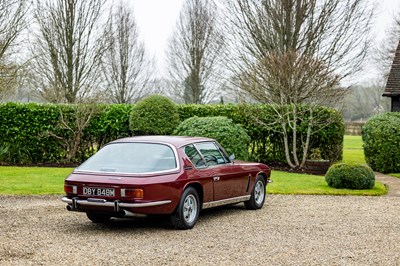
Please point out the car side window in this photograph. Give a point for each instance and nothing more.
(194, 156)
(224, 154)
(211, 153)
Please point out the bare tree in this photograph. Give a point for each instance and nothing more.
(366, 100)
(385, 50)
(71, 125)
(291, 52)
(67, 49)
(8, 80)
(12, 22)
(125, 66)
(195, 52)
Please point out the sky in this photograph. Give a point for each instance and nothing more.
(157, 18)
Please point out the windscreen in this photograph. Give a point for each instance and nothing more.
(131, 158)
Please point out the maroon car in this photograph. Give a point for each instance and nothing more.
(171, 175)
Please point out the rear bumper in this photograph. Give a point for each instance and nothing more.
(74, 203)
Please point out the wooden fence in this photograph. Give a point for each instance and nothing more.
(353, 128)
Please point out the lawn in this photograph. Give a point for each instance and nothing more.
(352, 150)
(41, 180)
(32, 180)
(352, 142)
(290, 183)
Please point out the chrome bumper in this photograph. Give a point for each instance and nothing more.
(75, 202)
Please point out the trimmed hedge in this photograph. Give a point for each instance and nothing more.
(381, 142)
(350, 176)
(259, 120)
(154, 115)
(23, 128)
(230, 135)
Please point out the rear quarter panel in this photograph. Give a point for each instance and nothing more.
(254, 169)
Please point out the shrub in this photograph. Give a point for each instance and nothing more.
(24, 131)
(111, 124)
(230, 135)
(350, 176)
(381, 137)
(154, 115)
(259, 120)
(23, 128)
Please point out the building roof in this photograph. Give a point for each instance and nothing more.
(393, 82)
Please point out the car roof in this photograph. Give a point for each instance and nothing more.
(177, 141)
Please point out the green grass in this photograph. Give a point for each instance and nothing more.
(32, 180)
(353, 150)
(41, 180)
(352, 142)
(290, 183)
(395, 174)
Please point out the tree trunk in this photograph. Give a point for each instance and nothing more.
(286, 143)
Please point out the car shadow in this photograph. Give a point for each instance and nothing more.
(153, 222)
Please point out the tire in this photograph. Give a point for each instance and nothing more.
(257, 198)
(98, 218)
(187, 212)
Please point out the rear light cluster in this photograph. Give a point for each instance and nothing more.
(132, 193)
(70, 189)
(125, 192)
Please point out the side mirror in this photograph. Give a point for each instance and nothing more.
(232, 157)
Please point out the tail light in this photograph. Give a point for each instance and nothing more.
(132, 193)
(70, 189)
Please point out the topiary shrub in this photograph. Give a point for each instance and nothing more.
(154, 115)
(350, 176)
(381, 137)
(231, 136)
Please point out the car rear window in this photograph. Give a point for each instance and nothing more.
(132, 158)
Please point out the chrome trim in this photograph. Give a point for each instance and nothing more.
(146, 174)
(112, 204)
(115, 178)
(96, 200)
(131, 214)
(217, 203)
(248, 182)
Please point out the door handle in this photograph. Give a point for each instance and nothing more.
(216, 178)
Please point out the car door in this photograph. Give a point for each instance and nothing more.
(229, 180)
(200, 172)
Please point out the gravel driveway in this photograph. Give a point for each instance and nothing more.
(289, 230)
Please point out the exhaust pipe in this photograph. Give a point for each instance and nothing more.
(69, 207)
(131, 214)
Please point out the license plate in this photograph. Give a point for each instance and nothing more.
(92, 191)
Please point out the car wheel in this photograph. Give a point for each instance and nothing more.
(98, 218)
(187, 212)
(257, 198)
